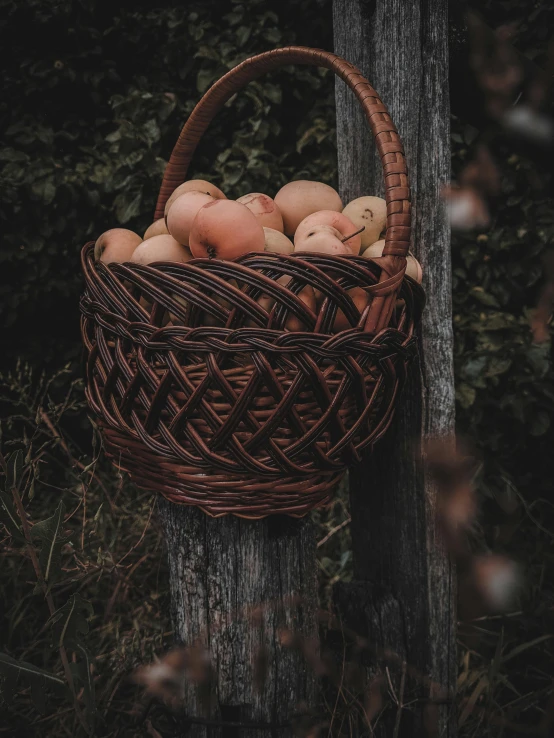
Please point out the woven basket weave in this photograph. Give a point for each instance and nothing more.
(203, 395)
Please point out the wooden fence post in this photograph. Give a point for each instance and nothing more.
(235, 585)
(403, 594)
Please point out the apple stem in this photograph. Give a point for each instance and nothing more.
(353, 234)
(211, 252)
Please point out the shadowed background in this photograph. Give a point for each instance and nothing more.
(94, 97)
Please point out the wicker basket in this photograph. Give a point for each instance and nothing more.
(243, 416)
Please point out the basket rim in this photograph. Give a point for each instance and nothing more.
(102, 277)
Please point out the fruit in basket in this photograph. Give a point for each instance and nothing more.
(116, 245)
(335, 220)
(323, 239)
(292, 323)
(200, 185)
(183, 306)
(183, 211)
(225, 229)
(360, 299)
(375, 250)
(301, 198)
(267, 302)
(307, 296)
(160, 248)
(206, 317)
(370, 212)
(157, 228)
(277, 242)
(413, 267)
(264, 208)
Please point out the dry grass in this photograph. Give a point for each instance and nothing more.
(113, 557)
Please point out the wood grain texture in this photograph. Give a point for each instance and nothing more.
(403, 595)
(235, 584)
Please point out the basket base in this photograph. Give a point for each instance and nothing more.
(245, 496)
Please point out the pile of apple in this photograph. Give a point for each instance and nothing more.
(304, 216)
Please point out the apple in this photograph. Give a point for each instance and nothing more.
(116, 246)
(300, 198)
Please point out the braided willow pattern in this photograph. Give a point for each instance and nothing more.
(203, 394)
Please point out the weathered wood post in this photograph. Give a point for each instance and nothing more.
(403, 594)
(234, 583)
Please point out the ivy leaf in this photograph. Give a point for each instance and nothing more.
(13, 155)
(13, 671)
(473, 368)
(49, 535)
(498, 365)
(126, 209)
(243, 34)
(465, 395)
(485, 298)
(204, 79)
(273, 93)
(45, 189)
(273, 35)
(538, 356)
(151, 131)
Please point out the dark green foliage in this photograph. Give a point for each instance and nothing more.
(94, 97)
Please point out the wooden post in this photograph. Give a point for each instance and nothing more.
(403, 594)
(235, 585)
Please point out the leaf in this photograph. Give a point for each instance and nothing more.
(15, 469)
(152, 131)
(272, 35)
(70, 623)
(13, 155)
(506, 499)
(540, 423)
(525, 646)
(204, 79)
(538, 356)
(465, 395)
(45, 189)
(474, 367)
(9, 518)
(82, 676)
(126, 209)
(69, 629)
(32, 676)
(243, 34)
(114, 136)
(485, 298)
(498, 365)
(472, 701)
(49, 534)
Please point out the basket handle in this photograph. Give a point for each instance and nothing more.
(389, 146)
(397, 191)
